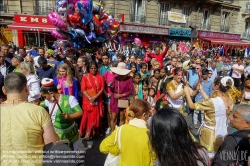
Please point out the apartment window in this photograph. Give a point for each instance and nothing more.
(137, 11)
(164, 8)
(186, 11)
(205, 18)
(225, 19)
(247, 25)
(44, 6)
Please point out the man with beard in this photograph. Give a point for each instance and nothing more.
(5, 50)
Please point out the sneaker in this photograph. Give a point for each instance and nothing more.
(108, 130)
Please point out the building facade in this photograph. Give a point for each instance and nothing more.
(9, 8)
(221, 16)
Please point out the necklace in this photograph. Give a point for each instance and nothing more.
(16, 101)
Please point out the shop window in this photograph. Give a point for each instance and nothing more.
(164, 8)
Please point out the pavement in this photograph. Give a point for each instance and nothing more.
(93, 157)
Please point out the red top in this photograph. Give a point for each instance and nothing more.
(159, 57)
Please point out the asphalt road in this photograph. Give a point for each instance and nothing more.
(93, 157)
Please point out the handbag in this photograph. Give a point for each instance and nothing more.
(112, 160)
(122, 103)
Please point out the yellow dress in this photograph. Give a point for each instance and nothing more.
(178, 103)
(207, 136)
(22, 134)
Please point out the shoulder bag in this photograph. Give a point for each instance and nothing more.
(114, 160)
(122, 103)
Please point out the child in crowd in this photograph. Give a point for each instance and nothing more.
(138, 86)
(144, 71)
(151, 98)
(132, 69)
(145, 89)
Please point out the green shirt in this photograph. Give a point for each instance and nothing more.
(17, 70)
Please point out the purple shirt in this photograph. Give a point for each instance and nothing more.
(125, 87)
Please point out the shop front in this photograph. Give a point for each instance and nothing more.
(148, 35)
(32, 29)
(221, 43)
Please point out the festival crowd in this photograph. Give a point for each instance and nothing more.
(49, 95)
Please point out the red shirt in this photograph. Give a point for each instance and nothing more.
(159, 57)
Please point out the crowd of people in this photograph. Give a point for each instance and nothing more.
(148, 95)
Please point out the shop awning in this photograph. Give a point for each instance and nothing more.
(31, 27)
(226, 42)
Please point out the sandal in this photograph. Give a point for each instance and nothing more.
(87, 136)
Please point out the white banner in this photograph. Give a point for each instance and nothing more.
(176, 17)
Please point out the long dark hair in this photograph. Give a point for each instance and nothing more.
(171, 140)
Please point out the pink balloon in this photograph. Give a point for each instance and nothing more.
(59, 35)
(57, 21)
(137, 41)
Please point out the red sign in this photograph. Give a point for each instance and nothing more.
(217, 35)
(31, 19)
(143, 29)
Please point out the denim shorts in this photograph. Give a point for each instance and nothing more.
(107, 100)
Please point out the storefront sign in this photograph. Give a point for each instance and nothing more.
(144, 30)
(218, 35)
(179, 32)
(31, 19)
(177, 17)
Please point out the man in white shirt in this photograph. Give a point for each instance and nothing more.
(41, 52)
(214, 71)
(238, 70)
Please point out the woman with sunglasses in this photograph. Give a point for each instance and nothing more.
(245, 96)
(63, 110)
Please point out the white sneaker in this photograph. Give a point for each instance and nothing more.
(108, 130)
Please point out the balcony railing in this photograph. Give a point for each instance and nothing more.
(224, 28)
(246, 35)
(3, 8)
(164, 21)
(229, 1)
(206, 26)
(42, 10)
(138, 18)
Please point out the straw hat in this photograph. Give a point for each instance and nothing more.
(120, 69)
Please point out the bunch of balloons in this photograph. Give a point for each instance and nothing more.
(82, 21)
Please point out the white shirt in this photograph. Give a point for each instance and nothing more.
(36, 61)
(34, 87)
(236, 74)
(3, 69)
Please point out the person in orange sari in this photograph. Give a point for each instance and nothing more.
(92, 86)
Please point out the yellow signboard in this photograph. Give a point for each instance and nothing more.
(5, 35)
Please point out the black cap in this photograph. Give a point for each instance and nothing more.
(205, 71)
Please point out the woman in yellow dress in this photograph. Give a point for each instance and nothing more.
(216, 112)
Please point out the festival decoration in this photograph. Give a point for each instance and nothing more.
(84, 22)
